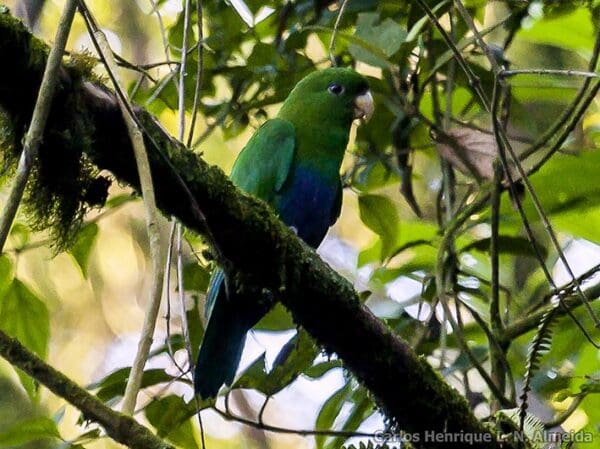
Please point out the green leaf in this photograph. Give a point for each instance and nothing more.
(25, 317)
(20, 235)
(253, 377)
(377, 55)
(119, 200)
(277, 319)
(564, 188)
(236, 126)
(585, 378)
(83, 245)
(573, 31)
(175, 36)
(295, 357)
(170, 416)
(195, 326)
(6, 274)
(264, 59)
(318, 370)
(93, 434)
(35, 429)
(387, 36)
(362, 408)
(374, 175)
(369, 254)
(506, 244)
(113, 385)
(380, 215)
(195, 277)
(329, 412)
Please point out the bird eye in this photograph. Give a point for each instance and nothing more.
(336, 89)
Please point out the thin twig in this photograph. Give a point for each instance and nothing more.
(276, 429)
(178, 226)
(478, 36)
(462, 342)
(452, 228)
(167, 283)
(35, 133)
(181, 134)
(199, 73)
(181, 293)
(504, 145)
(161, 27)
(448, 265)
(497, 371)
(573, 118)
(495, 345)
(559, 72)
(152, 224)
(336, 26)
(183, 69)
(121, 96)
(165, 41)
(531, 320)
(474, 80)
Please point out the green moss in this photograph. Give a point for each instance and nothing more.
(63, 184)
(7, 145)
(82, 65)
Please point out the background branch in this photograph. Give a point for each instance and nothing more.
(119, 427)
(152, 226)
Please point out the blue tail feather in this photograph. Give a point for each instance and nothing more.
(223, 342)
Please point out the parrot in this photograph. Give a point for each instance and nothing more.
(292, 162)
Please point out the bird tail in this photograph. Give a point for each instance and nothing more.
(223, 342)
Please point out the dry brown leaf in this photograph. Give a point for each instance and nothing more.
(471, 151)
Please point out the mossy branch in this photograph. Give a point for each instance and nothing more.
(405, 386)
(39, 117)
(119, 427)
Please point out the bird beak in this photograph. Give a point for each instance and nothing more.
(363, 106)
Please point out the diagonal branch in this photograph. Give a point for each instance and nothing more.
(119, 427)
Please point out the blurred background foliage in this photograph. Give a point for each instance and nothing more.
(82, 309)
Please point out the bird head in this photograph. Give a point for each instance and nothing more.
(332, 96)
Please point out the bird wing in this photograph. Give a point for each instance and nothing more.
(264, 164)
(261, 169)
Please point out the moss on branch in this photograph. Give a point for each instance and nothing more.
(405, 386)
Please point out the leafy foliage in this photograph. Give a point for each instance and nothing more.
(24, 316)
(424, 159)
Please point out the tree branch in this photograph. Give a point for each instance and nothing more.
(405, 386)
(119, 427)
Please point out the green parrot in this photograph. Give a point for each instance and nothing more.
(292, 162)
